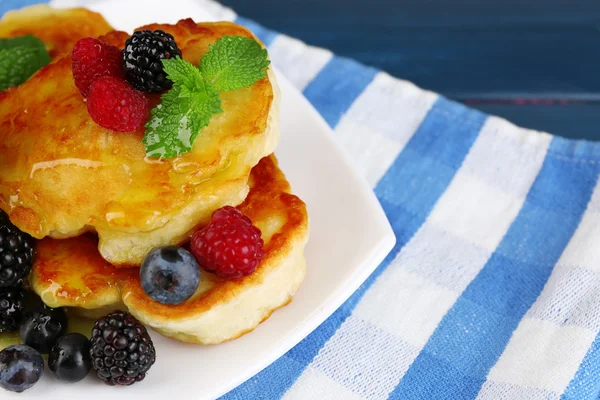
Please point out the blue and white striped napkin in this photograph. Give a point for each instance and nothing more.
(493, 289)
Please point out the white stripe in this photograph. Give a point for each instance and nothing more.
(501, 391)
(413, 294)
(374, 358)
(300, 62)
(542, 354)
(419, 305)
(584, 247)
(381, 122)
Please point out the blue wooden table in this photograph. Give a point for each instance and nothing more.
(535, 62)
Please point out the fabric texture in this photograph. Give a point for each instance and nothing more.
(493, 288)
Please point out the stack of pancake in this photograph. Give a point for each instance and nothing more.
(98, 204)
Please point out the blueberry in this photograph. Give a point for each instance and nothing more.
(170, 274)
(41, 328)
(20, 368)
(70, 358)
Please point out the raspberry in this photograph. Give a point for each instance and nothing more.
(93, 59)
(115, 105)
(230, 246)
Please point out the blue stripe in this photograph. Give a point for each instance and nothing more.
(467, 343)
(585, 384)
(337, 86)
(7, 5)
(277, 378)
(265, 35)
(436, 152)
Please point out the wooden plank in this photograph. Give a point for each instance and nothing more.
(457, 47)
(490, 52)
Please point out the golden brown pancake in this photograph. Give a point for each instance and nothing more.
(71, 273)
(62, 175)
(58, 29)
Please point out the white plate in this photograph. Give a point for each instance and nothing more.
(350, 236)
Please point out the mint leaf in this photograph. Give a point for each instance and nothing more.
(183, 112)
(21, 41)
(182, 72)
(17, 64)
(20, 57)
(234, 62)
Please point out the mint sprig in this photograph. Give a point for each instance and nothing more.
(232, 63)
(182, 113)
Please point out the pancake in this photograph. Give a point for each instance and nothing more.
(62, 175)
(58, 29)
(71, 273)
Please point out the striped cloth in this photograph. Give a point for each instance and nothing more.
(493, 288)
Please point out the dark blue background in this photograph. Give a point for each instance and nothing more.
(535, 62)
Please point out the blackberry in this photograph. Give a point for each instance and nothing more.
(12, 303)
(16, 253)
(122, 351)
(141, 60)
